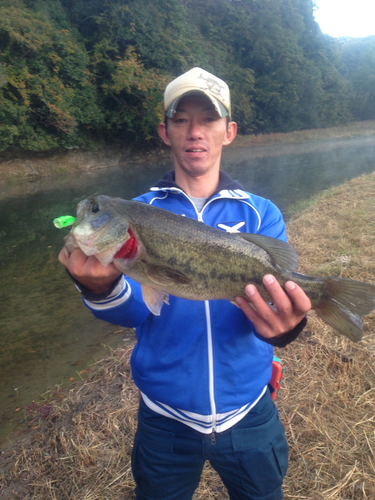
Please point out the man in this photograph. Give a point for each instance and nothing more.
(202, 367)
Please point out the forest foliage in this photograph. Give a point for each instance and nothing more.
(75, 73)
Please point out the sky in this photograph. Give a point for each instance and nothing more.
(354, 18)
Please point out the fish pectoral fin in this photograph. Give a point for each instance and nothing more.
(163, 276)
(154, 299)
(281, 253)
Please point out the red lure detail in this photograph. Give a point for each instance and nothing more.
(128, 250)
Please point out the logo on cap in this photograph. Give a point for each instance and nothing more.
(213, 86)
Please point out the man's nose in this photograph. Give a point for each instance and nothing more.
(195, 130)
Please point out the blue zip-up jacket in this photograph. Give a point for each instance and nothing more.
(200, 362)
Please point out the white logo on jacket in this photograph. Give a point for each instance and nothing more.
(235, 228)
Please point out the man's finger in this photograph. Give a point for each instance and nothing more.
(301, 302)
(64, 257)
(288, 300)
(263, 310)
(246, 308)
(278, 295)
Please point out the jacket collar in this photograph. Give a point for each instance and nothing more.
(228, 188)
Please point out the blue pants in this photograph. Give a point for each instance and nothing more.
(251, 457)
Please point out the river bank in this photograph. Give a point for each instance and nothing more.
(77, 444)
(32, 167)
(350, 131)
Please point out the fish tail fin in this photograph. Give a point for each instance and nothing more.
(347, 301)
(341, 319)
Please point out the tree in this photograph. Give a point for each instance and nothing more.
(358, 66)
(77, 73)
(49, 95)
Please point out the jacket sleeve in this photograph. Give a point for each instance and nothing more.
(273, 224)
(123, 305)
(286, 338)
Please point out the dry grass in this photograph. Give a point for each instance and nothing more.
(81, 447)
(329, 404)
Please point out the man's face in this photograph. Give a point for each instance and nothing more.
(197, 135)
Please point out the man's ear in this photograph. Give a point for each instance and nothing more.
(231, 133)
(164, 134)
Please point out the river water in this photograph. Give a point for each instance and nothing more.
(47, 337)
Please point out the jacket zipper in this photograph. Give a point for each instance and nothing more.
(211, 371)
(209, 342)
(210, 354)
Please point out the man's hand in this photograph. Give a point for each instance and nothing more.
(89, 271)
(291, 307)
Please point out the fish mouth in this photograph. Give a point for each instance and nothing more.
(128, 250)
(93, 245)
(106, 256)
(125, 252)
(89, 248)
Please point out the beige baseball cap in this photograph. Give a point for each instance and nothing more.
(195, 81)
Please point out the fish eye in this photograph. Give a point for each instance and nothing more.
(95, 208)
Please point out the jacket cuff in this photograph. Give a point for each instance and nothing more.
(287, 338)
(89, 295)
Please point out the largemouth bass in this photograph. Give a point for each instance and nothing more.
(173, 255)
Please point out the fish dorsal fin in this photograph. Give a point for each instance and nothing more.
(154, 299)
(281, 253)
(163, 275)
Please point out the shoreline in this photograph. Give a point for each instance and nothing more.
(33, 167)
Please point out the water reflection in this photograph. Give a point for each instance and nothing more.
(290, 173)
(46, 335)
